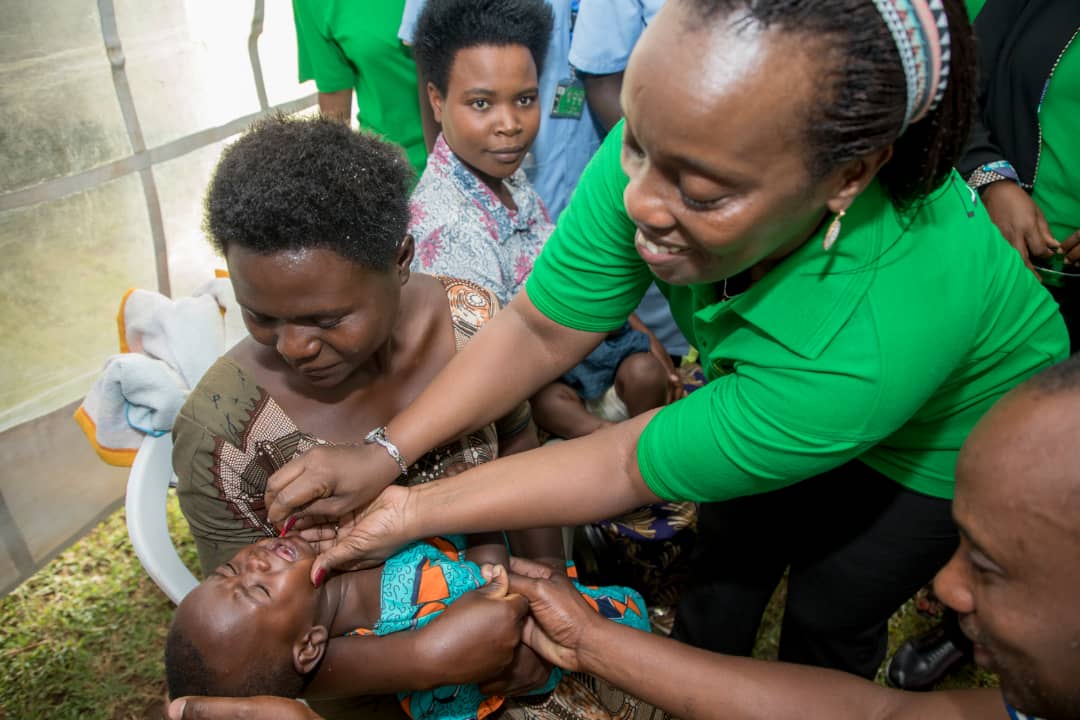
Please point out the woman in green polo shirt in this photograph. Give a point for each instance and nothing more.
(1025, 145)
(784, 175)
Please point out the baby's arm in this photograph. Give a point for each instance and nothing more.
(474, 639)
(374, 665)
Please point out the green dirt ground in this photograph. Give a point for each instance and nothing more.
(83, 638)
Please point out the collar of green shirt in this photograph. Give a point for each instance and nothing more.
(805, 300)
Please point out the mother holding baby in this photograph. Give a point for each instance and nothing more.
(311, 219)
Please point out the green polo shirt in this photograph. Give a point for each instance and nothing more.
(887, 348)
(1056, 178)
(343, 44)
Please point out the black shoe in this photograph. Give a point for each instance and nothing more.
(922, 661)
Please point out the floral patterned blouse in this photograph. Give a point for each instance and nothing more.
(462, 229)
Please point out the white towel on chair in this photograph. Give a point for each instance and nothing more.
(167, 345)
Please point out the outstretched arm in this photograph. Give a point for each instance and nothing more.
(694, 684)
(515, 353)
(553, 485)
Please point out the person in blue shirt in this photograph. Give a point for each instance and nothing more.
(607, 31)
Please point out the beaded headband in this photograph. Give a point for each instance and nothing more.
(920, 29)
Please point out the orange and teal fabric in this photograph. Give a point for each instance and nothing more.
(422, 579)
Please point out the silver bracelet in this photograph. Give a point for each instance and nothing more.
(378, 437)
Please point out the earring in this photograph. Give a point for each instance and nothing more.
(833, 232)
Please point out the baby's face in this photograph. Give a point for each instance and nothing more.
(259, 600)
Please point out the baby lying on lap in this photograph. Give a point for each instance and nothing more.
(256, 625)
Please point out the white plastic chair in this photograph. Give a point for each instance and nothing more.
(147, 522)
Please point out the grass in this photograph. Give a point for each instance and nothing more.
(83, 638)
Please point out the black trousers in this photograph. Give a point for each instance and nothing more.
(858, 545)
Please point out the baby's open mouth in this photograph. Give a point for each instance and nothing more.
(284, 551)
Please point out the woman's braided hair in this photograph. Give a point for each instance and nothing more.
(862, 94)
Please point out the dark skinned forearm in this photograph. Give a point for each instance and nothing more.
(337, 105)
(694, 684)
(476, 386)
(373, 665)
(602, 93)
(553, 485)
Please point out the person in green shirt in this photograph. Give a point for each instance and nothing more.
(790, 190)
(1026, 142)
(345, 46)
(1023, 161)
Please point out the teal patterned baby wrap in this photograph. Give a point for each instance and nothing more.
(423, 578)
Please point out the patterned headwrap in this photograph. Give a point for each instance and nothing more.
(920, 30)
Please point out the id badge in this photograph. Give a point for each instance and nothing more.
(569, 99)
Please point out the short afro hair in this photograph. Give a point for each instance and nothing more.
(293, 183)
(187, 672)
(448, 26)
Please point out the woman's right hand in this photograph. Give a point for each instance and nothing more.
(1020, 220)
(328, 481)
(360, 538)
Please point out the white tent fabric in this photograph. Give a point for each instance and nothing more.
(112, 116)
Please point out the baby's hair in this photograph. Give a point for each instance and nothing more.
(293, 183)
(446, 27)
(187, 672)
